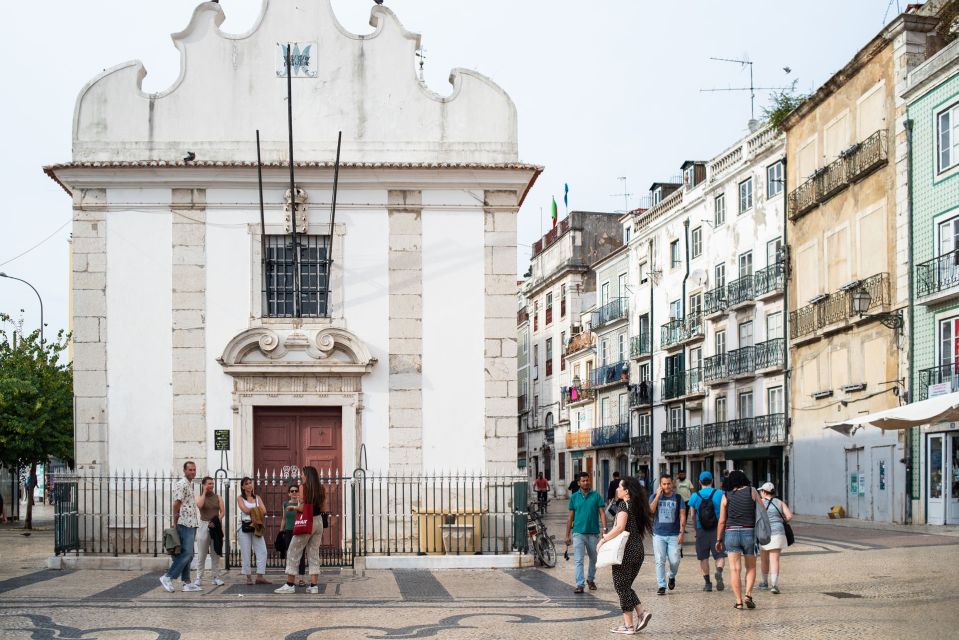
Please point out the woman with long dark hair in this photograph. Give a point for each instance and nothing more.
(632, 516)
(735, 535)
(252, 514)
(313, 498)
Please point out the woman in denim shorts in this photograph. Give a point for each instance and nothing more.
(737, 518)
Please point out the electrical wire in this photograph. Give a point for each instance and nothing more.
(20, 255)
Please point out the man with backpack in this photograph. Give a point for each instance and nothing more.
(706, 504)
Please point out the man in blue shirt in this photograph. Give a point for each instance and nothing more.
(705, 538)
(669, 521)
(583, 528)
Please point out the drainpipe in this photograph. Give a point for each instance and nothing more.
(683, 307)
(909, 213)
(652, 351)
(787, 420)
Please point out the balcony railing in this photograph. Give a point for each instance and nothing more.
(681, 330)
(673, 441)
(579, 341)
(639, 346)
(769, 280)
(611, 434)
(714, 367)
(769, 354)
(853, 165)
(615, 373)
(745, 432)
(938, 274)
(740, 290)
(641, 394)
(713, 435)
(613, 310)
(837, 306)
(770, 429)
(641, 445)
(947, 374)
(579, 439)
(741, 361)
(694, 438)
(683, 384)
(715, 301)
(577, 393)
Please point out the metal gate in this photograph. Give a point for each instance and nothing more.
(66, 525)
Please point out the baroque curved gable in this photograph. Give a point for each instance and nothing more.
(268, 351)
(364, 85)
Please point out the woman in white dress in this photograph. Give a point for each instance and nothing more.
(779, 515)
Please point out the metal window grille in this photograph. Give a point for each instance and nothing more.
(284, 294)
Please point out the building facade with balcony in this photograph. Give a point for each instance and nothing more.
(560, 285)
(523, 400)
(579, 401)
(849, 279)
(932, 96)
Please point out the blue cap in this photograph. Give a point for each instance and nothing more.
(705, 475)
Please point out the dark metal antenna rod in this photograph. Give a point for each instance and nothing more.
(289, 121)
(336, 180)
(259, 178)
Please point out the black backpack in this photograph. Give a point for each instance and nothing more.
(707, 511)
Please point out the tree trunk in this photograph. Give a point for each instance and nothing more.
(28, 521)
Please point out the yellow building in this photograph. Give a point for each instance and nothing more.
(849, 275)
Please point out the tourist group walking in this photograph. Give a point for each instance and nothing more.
(735, 522)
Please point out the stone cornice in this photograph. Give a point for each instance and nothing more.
(265, 351)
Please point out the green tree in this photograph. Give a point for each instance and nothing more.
(36, 402)
(781, 104)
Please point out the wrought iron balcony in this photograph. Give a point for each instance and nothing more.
(639, 346)
(615, 373)
(947, 374)
(642, 446)
(713, 435)
(641, 394)
(802, 199)
(714, 368)
(612, 434)
(614, 310)
(805, 320)
(741, 362)
(684, 383)
(769, 354)
(867, 156)
(577, 393)
(694, 438)
(579, 341)
(673, 441)
(740, 290)
(939, 274)
(745, 432)
(831, 179)
(579, 439)
(715, 301)
(769, 280)
(739, 432)
(770, 429)
(837, 306)
(682, 330)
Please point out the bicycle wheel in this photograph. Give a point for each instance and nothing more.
(546, 551)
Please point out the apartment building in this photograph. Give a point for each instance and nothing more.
(523, 375)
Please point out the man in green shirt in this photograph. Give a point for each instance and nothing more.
(583, 529)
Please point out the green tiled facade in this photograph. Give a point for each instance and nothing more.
(934, 199)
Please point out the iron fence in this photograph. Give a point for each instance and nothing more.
(745, 432)
(715, 301)
(769, 354)
(740, 290)
(714, 367)
(613, 310)
(831, 179)
(867, 156)
(681, 330)
(742, 361)
(805, 320)
(769, 279)
(770, 429)
(616, 372)
(639, 346)
(837, 307)
(946, 373)
(673, 441)
(938, 274)
(694, 438)
(802, 199)
(713, 435)
(611, 434)
(641, 394)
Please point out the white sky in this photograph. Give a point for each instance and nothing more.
(603, 89)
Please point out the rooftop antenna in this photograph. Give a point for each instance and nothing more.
(421, 54)
(625, 194)
(752, 89)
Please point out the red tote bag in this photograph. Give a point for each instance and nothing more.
(303, 525)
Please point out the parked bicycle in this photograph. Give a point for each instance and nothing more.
(540, 542)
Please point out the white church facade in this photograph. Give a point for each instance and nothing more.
(383, 338)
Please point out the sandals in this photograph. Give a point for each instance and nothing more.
(738, 605)
(749, 602)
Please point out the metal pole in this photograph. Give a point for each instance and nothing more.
(329, 250)
(4, 275)
(259, 177)
(289, 123)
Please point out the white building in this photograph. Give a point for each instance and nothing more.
(395, 347)
(707, 259)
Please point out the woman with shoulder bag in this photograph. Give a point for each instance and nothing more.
(633, 517)
(251, 505)
(309, 517)
(779, 517)
(737, 537)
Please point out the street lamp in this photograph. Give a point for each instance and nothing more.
(3, 275)
(861, 299)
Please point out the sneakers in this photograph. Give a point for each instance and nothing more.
(167, 583)
(661, 591)
(647, 616)
(708, 586)
(719, 581)
(591, 585)
(218, 582)
(313, 589)
(287, 588)
(775, 589)
(672, 582)
(192, 586)
(764, 586)
(579, 590)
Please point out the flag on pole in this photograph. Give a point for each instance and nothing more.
(553, 214)
(566, 196)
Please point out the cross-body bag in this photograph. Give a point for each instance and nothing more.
(790, 536)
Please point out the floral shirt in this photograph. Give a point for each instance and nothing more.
(189, 514)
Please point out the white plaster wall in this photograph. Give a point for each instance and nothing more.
(139, 355)
(228, 264)
(453, 342)
(366, 288)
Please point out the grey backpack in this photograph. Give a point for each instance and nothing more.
(763, 530)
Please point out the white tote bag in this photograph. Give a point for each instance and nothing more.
(612, 552)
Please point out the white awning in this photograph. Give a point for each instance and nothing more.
(943, 408)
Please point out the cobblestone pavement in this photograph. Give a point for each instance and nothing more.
(838, 582)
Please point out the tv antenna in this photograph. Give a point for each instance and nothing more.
(752, 89)
(625, 194)
(888, 7)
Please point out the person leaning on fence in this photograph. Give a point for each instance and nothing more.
(211, 516)
(251, 509)
(311, 504)
(186, 519)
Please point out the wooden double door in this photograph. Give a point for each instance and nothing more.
(287, 438)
